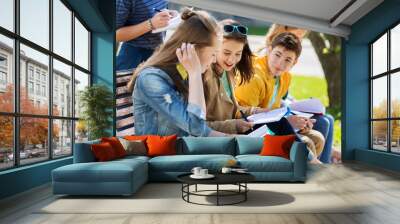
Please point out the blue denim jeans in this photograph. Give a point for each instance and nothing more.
(130, 57)
(159, 109)
(325, 125)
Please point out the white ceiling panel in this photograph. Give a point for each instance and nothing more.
(327, 16)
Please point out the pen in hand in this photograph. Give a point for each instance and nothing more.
(245, 118)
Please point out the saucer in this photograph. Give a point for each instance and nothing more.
(208, 176)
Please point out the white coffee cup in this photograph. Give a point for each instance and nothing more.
(196, 171)
(226, 170)
(203, 172)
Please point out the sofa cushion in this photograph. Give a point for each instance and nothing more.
(134, 147)
(161, 145)
(116, 145)
(208, 145)
(249, 145)
(257, 163)
(185, 163)
(83, 152)
(112, 171)
(277, 145)
(103, 152)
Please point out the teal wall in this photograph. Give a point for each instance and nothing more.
(355, 136)
(24, 178)
(99, 16)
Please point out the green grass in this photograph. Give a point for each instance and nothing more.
(255, 30)
(304, 87)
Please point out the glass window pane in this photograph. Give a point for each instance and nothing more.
(6, 142)
(379, 135)
(379, 56)
(34, 97)
(395, 95)
(81, 45)
(35, 21)
(7, 14)
(395, 47)
(6, 74)
(379, 97)
(395, 136)
(81, 81)
(62, 89)
(81, 131)
(62, 138)
(33, 140)
(62, 29)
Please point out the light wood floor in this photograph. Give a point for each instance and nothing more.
(378, 188)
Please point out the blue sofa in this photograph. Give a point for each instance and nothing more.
(125, 176)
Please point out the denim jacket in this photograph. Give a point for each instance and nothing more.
(161, 110)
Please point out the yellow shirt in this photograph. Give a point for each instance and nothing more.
(259, 90)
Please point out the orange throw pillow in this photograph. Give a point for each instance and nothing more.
(103, 151)
(161, 145)
(116, 145)
(277, 145)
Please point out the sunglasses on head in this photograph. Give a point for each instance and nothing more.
(235, 28)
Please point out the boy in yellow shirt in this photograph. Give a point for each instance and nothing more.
(271, 82)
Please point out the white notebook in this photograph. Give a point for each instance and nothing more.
(312, 105)
(267, 117)
(173, 23)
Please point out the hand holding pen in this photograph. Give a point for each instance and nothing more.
(160, 19)
(243, 125)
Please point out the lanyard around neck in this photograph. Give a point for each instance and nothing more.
(275, 93)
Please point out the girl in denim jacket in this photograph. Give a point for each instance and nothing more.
(168, 91)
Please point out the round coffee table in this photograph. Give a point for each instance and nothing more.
(238, 179)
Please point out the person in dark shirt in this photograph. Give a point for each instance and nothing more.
(134, 24)
(135, 21)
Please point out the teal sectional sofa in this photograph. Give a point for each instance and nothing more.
(125, 176)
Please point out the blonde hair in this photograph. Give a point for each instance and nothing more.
(197, 28)
(277, 29)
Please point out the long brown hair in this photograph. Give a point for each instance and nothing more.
(198, 28)
(245, 66)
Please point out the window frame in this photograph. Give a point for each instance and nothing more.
(16, 114)
(388, 74)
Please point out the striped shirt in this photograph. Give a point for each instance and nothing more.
(132, 12)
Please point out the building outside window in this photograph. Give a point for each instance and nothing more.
(3, 71)
(30, 87)
(58, 124)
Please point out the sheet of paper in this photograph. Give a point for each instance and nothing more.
(174, 22)
(312, 105)
(260, 132)
(267, 117)
(302, 114)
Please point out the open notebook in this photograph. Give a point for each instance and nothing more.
(174, 22)
(312, 105)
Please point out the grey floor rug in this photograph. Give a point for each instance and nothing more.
(166, 198)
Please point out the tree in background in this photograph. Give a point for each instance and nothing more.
(33, 130)
(328, 48)
(380, 127)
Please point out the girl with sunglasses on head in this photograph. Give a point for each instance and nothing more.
(233, 58)
(168, 92)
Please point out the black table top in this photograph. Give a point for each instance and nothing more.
(220, 178)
